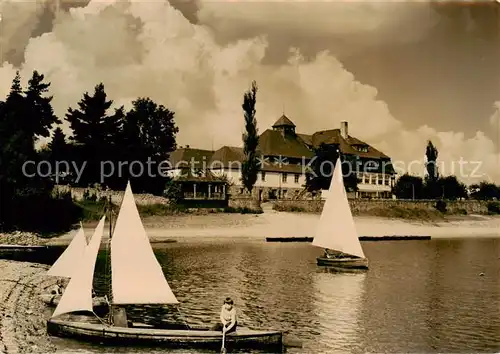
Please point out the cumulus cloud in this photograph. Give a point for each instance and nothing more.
(151, 49)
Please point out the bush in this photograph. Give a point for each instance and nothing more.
(44, 214)
(441, 206)
(461, 211)
(93, 210)
(494, 207)
(243, 210)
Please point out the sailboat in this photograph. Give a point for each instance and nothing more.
(65, 267)
(136, 278)
(336, 230)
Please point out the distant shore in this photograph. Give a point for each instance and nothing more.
(272, 223)
(282, 224)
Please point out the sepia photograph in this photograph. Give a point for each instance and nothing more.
(249, 176)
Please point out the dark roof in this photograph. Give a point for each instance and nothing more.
(188, 158)
(274, 143)
(290, 168)
(346, 146)
(283, 121)
(306, 138)
(226, 157)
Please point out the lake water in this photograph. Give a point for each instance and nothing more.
(418, 296)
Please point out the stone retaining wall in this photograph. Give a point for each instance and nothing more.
(246, 202)
(361, 205)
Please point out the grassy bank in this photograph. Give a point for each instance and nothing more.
(94, 210)
(440, 212)
(395, 212)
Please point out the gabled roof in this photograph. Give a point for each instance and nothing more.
(333, 136)
(226, 157)
(190, 158)
(283, 121)
(273, 143)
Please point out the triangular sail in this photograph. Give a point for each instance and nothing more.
(78, 293)
(71, 258)
(336, 229)
(136, 275)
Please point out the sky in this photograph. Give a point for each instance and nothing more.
(400, 72)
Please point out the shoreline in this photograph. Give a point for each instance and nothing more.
(271, 223)
(22, 313)
(212, 227)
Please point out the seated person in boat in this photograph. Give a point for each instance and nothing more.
(334, 254)
(228, 320)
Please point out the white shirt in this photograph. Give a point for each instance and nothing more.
(228, 316)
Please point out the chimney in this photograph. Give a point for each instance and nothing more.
(344, 132)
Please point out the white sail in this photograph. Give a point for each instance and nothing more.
(71, 258)
(336, 229)
(136, 275)
(78, 293)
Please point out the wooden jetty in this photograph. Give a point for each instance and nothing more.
(361, 238)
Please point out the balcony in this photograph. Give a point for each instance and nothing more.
(204, 196)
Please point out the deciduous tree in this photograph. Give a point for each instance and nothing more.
(250, 166)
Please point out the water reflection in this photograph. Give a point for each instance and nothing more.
(417, 296)
(337, 306)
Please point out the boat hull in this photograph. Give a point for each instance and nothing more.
(53, 300)
(343, 263)
(172, 338)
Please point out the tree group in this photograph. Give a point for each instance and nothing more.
(435, 186)
(146, 134)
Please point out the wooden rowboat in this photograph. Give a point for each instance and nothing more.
(175, 337)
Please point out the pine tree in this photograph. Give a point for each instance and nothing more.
(91, 124)
(58, 146)
(40, 114)
(95, 131)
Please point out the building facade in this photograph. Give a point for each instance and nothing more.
(284, 158)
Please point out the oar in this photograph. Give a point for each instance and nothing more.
(223, 349)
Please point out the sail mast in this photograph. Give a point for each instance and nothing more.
(108, 261)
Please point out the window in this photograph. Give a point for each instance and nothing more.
(283, 177)
(297, 176)
(263, 176)
(387, 180)
(360, 148)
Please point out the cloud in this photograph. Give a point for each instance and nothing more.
(151, 49)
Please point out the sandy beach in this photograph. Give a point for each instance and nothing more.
(23, 327)
(283, 224)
